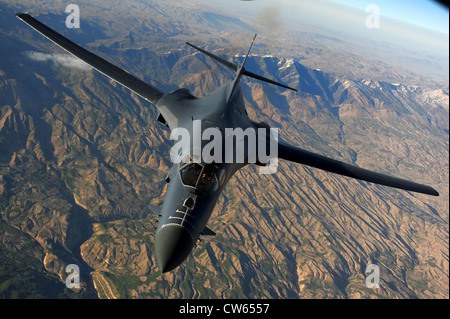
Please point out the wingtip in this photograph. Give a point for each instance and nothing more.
(428, 190)
(435, 192)
(23, 16)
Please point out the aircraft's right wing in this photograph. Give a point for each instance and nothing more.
(145, 90)
(298, 155)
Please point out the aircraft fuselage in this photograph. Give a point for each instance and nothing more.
(195, 187)
(196, 181)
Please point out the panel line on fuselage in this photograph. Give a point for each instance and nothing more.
(179, 225)
(183, 220)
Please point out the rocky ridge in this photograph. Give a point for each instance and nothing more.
(81, 158)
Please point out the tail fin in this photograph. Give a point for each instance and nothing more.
(249, 49)
(240, 70)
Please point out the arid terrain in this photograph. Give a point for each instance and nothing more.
(81, 158)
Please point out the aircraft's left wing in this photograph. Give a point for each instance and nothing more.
(145, 90)
(298, 155)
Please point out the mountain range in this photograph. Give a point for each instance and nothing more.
(81, 159)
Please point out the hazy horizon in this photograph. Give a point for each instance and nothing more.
(335, 17)
(393, 41)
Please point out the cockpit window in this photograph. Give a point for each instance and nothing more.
(190, 174)
(207, 181)
(197, 176)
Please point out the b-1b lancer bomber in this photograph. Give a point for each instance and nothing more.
(197, 181)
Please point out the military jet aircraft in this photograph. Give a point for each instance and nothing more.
(195, 185)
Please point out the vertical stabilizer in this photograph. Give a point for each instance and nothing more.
(239, 72)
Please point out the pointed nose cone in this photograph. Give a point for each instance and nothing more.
(173, 244)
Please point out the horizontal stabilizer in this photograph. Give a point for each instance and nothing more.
(226, 63)
(242, 70)
(261, 78)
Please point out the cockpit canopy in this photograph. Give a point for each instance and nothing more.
(199, 176)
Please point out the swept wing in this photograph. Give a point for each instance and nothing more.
(145, 90)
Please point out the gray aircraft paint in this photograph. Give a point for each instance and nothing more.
(190, 201)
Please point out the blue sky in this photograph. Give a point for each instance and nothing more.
(410, 23)
(427, 14)
(423, 13)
